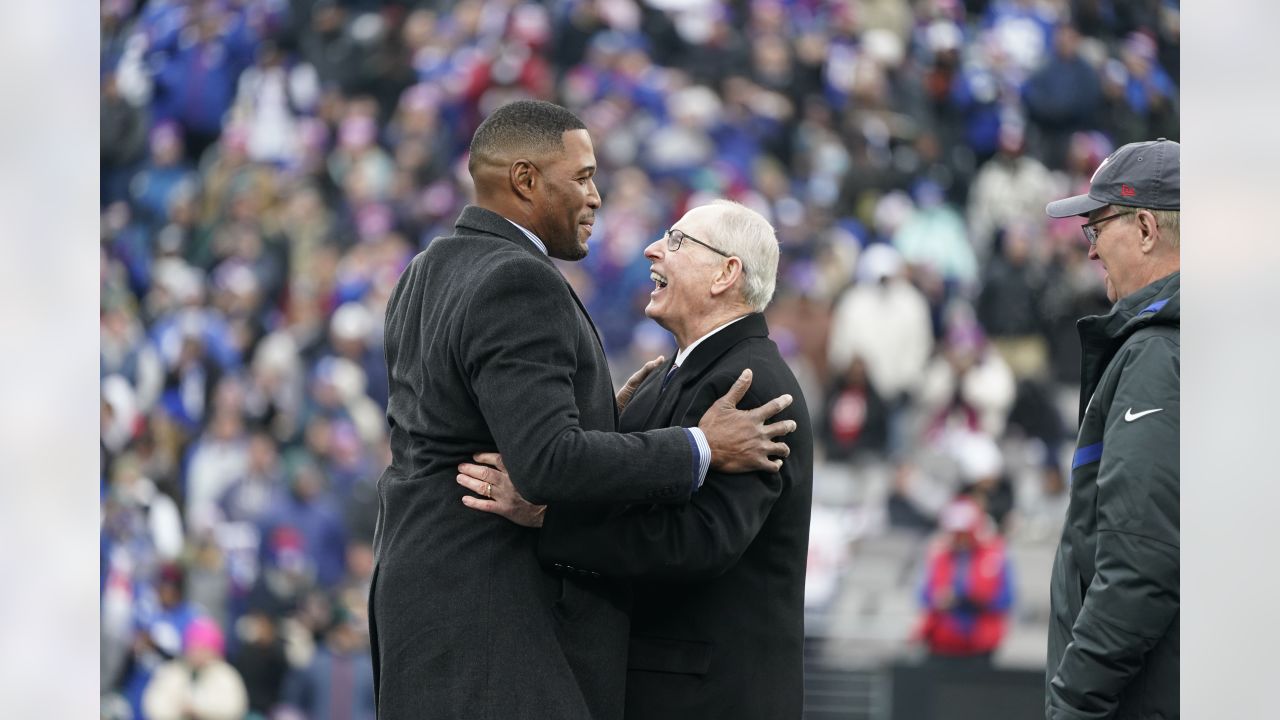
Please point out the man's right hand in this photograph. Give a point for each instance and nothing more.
(740, 440)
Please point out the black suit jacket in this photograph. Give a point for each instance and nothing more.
(489, 349)
(717, 625)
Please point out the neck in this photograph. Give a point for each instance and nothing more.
(1159, 271)
(509, 210)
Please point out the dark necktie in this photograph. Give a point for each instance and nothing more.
(670, 374)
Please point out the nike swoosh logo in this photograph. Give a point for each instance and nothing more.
(1130, 415)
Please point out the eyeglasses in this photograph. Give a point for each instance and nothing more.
(1090, 229)
(675, 237)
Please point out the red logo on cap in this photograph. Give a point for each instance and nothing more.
(1126, 191)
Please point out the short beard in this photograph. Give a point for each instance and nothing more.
(572, 253)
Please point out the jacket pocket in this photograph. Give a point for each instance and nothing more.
(688, 657)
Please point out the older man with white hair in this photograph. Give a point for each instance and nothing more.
(717, 617)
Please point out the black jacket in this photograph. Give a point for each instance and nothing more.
(1113, 636)
(717, 625)
(489, 349)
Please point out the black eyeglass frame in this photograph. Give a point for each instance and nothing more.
(1090, 229)
(676, 237)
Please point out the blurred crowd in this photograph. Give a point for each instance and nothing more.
(268, 167)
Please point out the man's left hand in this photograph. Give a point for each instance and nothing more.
(490, 481)
(628, 391)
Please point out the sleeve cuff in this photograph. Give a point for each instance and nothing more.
(701, 456)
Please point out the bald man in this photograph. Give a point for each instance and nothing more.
(489, 350)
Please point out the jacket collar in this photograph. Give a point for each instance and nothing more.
(1155, 304)
(1101, 336)
(480, 220)
(710, 350)
(477, 219)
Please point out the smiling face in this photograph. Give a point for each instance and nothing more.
(566, 199)
(683, 300)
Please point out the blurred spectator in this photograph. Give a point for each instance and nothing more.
(907, 510)
(935, 240)
(274, 397)
(967, 589)
(338, 682)
(351, 334)
(885, 320)
(119, 417)
(155, 512)
(1010, 306)
(1035, 416)
(982, 476)
(967, 388)
(359, 165)
(162, 176)
(1063, 96)
(218, 458)
(189, 343)
(123, 141)
(162, 618)
(1011, 187)
(305, 521)
(855, 418)
(285, 577)
(271, 95)
(199, 685)
(197, 68)
(1139, 96)
(260, 661)
(253, 494)
(210, 578)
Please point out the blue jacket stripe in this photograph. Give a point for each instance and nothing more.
(1155, 306)
(1087, 454)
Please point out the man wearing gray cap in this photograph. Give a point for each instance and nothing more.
(1113, 637)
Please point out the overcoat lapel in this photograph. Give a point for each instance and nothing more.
(486, 221)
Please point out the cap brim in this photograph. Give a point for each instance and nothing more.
(1078, 205)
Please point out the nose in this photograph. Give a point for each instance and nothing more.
(1093, 251)
(654, 250)
(593, 195)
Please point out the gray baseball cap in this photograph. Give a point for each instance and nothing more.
(1141, 174)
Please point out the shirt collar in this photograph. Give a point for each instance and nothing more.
(683, 354)
(532, 238)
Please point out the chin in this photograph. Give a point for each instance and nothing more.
(572, 253)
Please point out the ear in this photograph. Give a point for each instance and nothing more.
(1149, 229)
(726, 277)
(524, 178)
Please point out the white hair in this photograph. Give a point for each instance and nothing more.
(745, 233)
(1166, 220)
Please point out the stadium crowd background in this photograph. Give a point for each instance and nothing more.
(269, 167)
